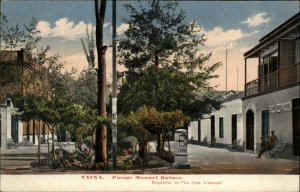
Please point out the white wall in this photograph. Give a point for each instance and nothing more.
(280, 121)
(205, 129)
(228, 109)
(3, 126)
(6, 113)
(193, 131)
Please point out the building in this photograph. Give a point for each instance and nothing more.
(20, 75)
(272, 101)
(9, 124)
(224, 126)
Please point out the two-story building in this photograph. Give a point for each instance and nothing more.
(272, 101)
(19, 75)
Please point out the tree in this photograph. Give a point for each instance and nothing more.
(84, 89)
(16, 37)
(101, 130)
(31, 107)
(89, 48)
(161, 123)
(165, 67)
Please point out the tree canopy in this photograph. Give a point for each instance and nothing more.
(165, 68)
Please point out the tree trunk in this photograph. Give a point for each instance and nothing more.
(101, 130)
(159, 144)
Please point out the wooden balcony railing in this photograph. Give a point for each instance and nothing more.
(285, 76)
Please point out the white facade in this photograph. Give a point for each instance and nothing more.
(230, 108)
(7, 111)
(231, 113)
(278, 104)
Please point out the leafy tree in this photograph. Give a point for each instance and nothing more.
(12, 36)
(9, 72)
(130, 125)
(84, 89)
(32, 108)
(161, 123)
(148, 121)
(165, 67)
(27, 38)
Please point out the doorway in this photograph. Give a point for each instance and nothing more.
(249, 130)
(199, 131)
(296, 126)
(212, 128)
(14, 128)
(233, 128)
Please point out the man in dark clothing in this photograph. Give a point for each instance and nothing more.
(264, 146)
(267, 143)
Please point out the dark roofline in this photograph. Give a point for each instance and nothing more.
(280, 27)
(271, 35)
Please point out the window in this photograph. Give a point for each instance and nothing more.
(269, 63)
(221, 127)
(273, 62)
(287, 52)
(265, 66)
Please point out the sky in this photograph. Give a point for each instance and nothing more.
(235, 26)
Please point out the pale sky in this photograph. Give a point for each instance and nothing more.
(233, 25)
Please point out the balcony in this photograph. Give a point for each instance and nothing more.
(283, 77)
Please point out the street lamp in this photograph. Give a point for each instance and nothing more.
(226, 67)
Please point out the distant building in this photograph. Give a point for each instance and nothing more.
(272, 102)
(28, 78)
(224, 126)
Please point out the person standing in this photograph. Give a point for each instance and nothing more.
(273, 138)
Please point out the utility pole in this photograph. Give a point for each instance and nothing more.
(237, 79)
(226, 73)
(226, 65)
(114, 86)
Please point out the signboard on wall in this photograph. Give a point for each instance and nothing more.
(280, 107)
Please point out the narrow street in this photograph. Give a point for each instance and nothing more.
(203, 160)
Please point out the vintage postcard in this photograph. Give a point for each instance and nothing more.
(149, 95)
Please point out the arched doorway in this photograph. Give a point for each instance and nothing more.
(249, 130)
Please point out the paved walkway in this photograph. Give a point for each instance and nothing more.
(21, 158)
(203, 160)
